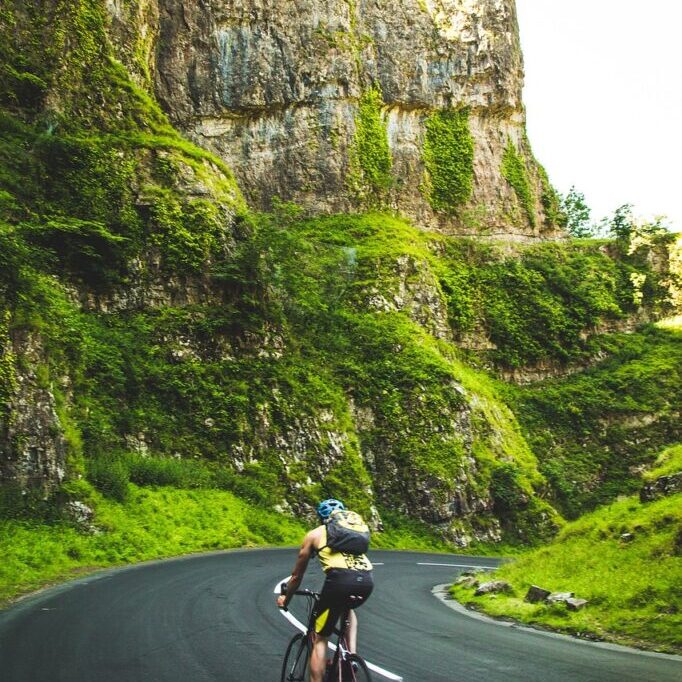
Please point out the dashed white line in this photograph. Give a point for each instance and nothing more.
(297, 624)
(483, 568)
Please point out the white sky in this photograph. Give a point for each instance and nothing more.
(604, 100)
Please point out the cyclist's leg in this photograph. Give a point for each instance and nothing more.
(360, 594)
(352, 632)
(323, 619)
(318, 658)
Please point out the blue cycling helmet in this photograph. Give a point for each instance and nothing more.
(327, 507)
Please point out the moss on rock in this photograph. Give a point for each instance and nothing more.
(448, 158)
(371, 160)
(515, 171)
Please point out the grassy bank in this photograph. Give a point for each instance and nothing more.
(151, 524)
(624, 558)
(156, 523)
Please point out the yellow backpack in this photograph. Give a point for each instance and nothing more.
(347, 532)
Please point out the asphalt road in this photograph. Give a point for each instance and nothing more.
(213, 617)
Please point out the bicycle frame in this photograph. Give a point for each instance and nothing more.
(342, 658)
(342, 651)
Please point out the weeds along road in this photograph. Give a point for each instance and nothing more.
(213, 617)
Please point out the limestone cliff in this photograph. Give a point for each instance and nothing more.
(297, 95)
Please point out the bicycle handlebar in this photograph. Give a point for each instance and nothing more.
(301, 593)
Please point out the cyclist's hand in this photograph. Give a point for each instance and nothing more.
(281, 601)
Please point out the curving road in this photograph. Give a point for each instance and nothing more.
(212, 617)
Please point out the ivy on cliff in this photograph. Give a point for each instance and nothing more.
(371, 160)
(7, 367)
(448, 158)
(515, 171)
(535, 305)
(81, 181)
(551, 200)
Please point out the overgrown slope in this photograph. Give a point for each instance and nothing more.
(624, 558)
(595, 431)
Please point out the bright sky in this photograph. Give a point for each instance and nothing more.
(604, 100)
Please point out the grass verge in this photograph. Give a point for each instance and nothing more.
(624, 558)
(151, 524)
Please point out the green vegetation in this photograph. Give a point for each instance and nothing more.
(598, 428)
(96, 185)
(371, 160)
(7, 367)
(209, 365)
(153, 523)
(308, 282)
(535, 304)
(403, 533)
(449, 159)
(632, 583)
(668, 462)
(515, 171)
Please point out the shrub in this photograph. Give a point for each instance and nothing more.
(110, 476)
(506, 489)
(147, 470)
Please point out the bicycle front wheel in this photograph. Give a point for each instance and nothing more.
(355, 670)
(296, 659)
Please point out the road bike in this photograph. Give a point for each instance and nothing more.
(342, 667)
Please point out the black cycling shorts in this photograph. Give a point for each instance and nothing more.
(342, 589)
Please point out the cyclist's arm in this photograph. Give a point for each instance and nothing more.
(301, 565)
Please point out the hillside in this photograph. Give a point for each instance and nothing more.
(624, 558)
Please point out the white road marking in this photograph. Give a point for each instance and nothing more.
(483, 568)
(297, 624)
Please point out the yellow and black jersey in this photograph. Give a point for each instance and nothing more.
(330, 558)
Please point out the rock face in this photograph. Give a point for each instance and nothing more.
(276, 90)
(33, 447)
(661, 487)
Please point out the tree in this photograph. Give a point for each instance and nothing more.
(622, 224)
(577, 214)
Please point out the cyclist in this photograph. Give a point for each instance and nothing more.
(348, 584)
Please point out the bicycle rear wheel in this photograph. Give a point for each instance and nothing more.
(353, 669)
(296, 659)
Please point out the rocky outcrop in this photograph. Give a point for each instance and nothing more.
(661, 487)
(537, 595)
(413, 289)
(493, 587)
(276, 89)
(33, 448)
